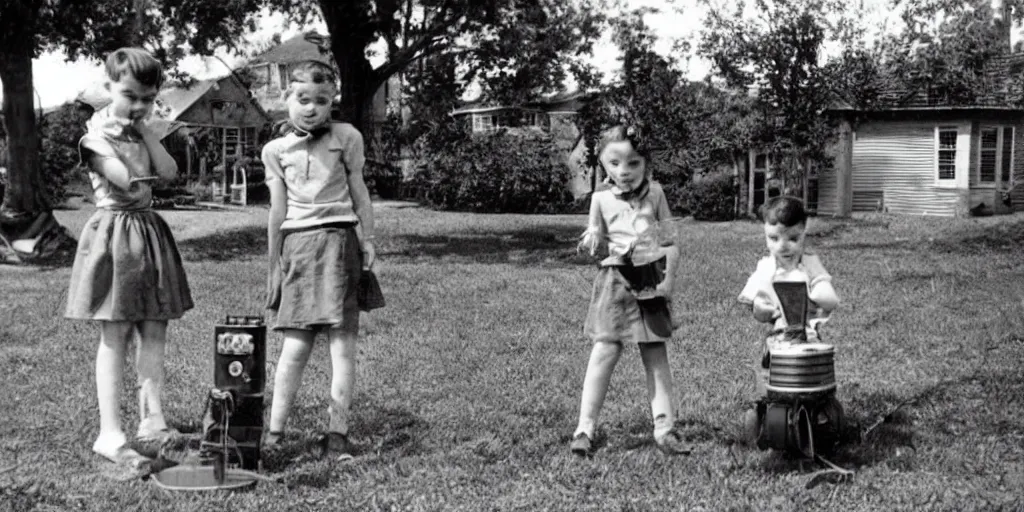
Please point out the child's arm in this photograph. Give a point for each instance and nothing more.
(104, 160)
(355, 160)
(755, 292)
(819, 284)
(278, 209)
(591, 239)
(162, 161)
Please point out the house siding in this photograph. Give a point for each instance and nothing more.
(895, 162)
(1017, 182)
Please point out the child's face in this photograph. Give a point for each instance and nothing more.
(129, 99)
(309, 104)
(786, 244)
(623, 164)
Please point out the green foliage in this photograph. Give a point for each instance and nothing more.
(711, 197)
(948, 59)
(511, 171)
(779, 51)
(60, 132)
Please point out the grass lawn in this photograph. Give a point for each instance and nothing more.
(470, 378)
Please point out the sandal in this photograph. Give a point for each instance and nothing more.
(672, 443)
(126, 457)
(581, 445)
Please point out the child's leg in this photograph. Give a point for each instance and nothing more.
(603, 358)
(109, 372)
(294, 354)
(344, 353)
(659, 386)
(149, 364)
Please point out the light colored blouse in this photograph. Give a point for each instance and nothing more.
(110, 137)
(315, 173)
(629, 228)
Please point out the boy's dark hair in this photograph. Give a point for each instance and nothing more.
(136, 62)
(313, 72)
(786, 210)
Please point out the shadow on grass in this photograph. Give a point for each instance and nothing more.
(540, 244)
(531, 246)
(394, 431)
(226, 245)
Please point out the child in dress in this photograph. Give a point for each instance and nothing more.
(320, 240)
(127, 273)
(785, 225)
(632, 292)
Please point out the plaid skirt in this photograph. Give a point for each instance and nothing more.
(127, 268)
(320, 272)
(615, 314)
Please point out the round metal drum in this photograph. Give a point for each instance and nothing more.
(802, 368)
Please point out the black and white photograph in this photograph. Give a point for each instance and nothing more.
(511, 255)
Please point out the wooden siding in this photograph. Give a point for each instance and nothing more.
(828, 188)
(1018, 168)
(897, 159)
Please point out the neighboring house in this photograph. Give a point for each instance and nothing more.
(919, 155)
(209, 123)
(555, 115)
(273, 67)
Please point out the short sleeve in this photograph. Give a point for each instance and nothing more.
(661, 209)
(352, 150)
(815, 270)
(90, 145)
(759, 281)
(271, 158)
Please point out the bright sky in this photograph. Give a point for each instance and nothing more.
(52, 72)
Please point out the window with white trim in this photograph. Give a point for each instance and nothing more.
(946, 153)
(995, 155)
(484, 123)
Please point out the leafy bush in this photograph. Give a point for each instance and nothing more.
(384, 180)
(60, 132)
(510, 171)
(711, 197)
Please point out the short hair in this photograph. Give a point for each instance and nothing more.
(622, 133)
(313, 72)
(786, 210)
(137, 63)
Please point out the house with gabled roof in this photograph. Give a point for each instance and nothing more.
(273, 67)
(916, 152)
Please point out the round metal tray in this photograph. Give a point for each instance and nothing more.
(201, 478)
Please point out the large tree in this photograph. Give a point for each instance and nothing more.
(777, 49)
(516, 48)
(79, 28)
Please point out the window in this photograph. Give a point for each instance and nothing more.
(946, 153)
(484, 123)
(995, 155)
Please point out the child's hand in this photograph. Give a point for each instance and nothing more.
(369, 254)
(765, 309)
(274, 287)
(589, 242)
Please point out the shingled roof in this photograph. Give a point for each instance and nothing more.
(303, 47)
(1001, 91)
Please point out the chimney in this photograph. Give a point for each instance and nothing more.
(1001, 15)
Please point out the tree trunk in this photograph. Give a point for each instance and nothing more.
(28, 231)
(23, 198)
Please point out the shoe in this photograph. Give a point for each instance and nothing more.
(580, 445)
(337, 444)
(672, 443)
(273, 440)
(155, 430)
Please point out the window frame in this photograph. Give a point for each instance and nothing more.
(950, 181)
(999, 153)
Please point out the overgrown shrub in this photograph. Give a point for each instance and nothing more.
(60, 132)
(711, 197)
(384, 180)
(510, 171)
